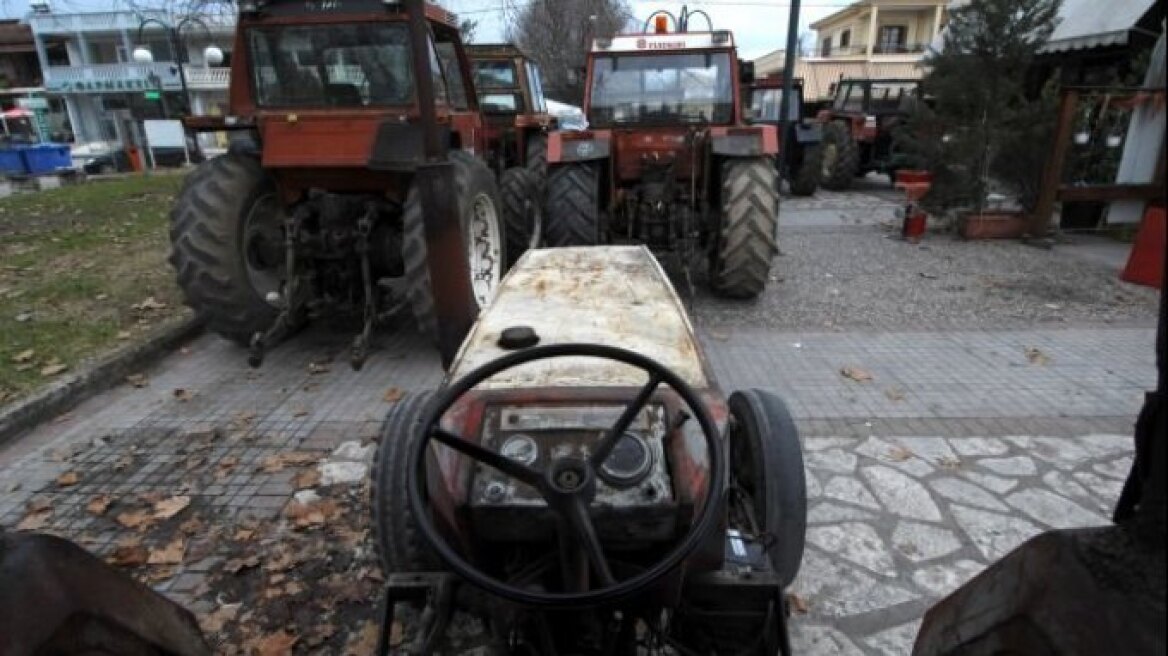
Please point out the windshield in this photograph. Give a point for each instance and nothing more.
(331, 65)
(693, 88)
(494, 75)
(765, 104)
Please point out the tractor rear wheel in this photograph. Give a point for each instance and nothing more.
(573, 205)
(518, 186)
(766, 464)
(481, 214)
(536, 159)
(840, 159)
(399, 545)
(741, 262)
(805, 177)
(227, 245)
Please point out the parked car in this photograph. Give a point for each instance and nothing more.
(117, 161)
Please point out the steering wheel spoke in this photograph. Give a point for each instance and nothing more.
(489, 458)
(581, 525)
(604, 449)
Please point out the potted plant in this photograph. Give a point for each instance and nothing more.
(983, 138)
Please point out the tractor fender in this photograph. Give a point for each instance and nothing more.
(808, 133)
(582, 146)
(745, 142)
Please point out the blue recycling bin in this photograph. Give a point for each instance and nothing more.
(46, 158)
(12, 161)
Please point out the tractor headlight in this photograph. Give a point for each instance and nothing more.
(520, 448)
(630, 461)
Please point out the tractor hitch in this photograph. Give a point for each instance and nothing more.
(291, 303)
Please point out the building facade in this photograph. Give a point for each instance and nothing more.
(105, 91)
(867, 39)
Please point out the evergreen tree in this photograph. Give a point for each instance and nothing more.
(983, 132)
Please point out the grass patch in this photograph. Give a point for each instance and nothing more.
(77, 267)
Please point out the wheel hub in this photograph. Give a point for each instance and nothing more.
(484, 249)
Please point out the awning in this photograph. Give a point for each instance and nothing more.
(1087, 24)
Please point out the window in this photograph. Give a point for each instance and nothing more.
(494, 75)
(536, 85)
(436, 75)
(348, 65)
(450, 64)
(501, 103)
(662, 89)
(850, 98)
(825, 48)
(892, 39)
(767, 102)
(845, 38)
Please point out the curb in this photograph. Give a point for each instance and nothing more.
(108, 371)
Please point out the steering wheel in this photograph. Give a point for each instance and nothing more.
(567, 484)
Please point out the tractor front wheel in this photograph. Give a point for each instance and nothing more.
(399, 545)
(573, 205)
(481, 215)
(840, 158)
(746, 244)
(519, 191)
(536, 155)
(766, 465)
(805, 176)
(227, 246)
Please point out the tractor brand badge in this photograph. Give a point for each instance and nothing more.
(645, 44)
(641, 43)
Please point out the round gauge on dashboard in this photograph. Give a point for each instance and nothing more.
(520, 448)
(629, 463)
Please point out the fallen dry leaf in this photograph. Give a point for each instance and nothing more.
(857, 374)
(99, 504)
(138, 380)
(798, 604)
(160, 573)
(135, 519)
(68, 479)
(899, 454)
(35, 520)
(53, 369)
(128, 555)
(364, 641)
(171, 554)
(150, 303)
(275, 644)
(214, 621)
(182, 394)
(948, 462)
(312, 514)
(24, 356)
(168, 508)
(1036, 356)
(306, 478)
(894, 394)
(237, 565)
(393, 395)
(280, 461)
(124, 335)
(317, 368)
(300, 411)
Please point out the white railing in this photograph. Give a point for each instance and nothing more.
(103, 21)
(204, 77)
(98, 78)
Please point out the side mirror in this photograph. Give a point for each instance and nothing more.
(746, 72)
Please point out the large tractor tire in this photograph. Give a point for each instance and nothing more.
(227, 245)
(741, 263)
(399, 545)
(840, 157)
(805, 177)
(766, 463)
(536, 155)
(519, 191)
(573, 205)
(481, 214)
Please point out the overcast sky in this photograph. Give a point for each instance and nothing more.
(759, 26)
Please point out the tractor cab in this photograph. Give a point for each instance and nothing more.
(514, 108)
(799, 158)
(582, 469)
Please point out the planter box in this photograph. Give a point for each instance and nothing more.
(994, 225)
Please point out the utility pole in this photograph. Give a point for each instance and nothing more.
(788, 77)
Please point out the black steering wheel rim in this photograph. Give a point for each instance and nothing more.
(705, 522)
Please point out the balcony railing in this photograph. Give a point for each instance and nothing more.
(106, 21)
(114, 78)
(878, 49)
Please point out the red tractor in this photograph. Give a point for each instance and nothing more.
(799, 160)
(315, 209)
(858, 128)
(517, 122)
(669, 159)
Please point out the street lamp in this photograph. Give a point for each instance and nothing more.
(212, 55)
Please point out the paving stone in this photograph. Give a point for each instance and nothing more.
(942, 579)
(897, 641)
(1062, 452)
(919, 542)
(1015, 466)
(893, 455)
(994, 534)
(817, 639)
(1053, 510)
(835, 589)
(1024, 442)
(900, 494)
(1117, 469)
(850, 490)
(991, 482)
(836, 461)
(814, 489)
(827, 512)
(822, 443)
(978, 446)
(958, 490)
(1101, 445)
(1063, 484)
(933, 449)
(1106, 489)
(856, 542)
